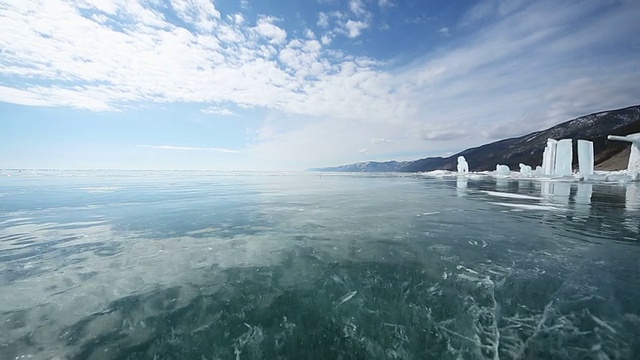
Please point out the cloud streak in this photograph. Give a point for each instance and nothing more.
(218, 111)
(190, 148)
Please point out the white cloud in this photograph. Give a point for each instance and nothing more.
(218, 111)
(238, 19)
(357, 8)
(202, 13)
(77, 98)
(354, 28)
(309, 34)
(323, 20)
(350, 23)
(189, 148)
(445, 31)
(269, 30)
(56, 45)
(385, 3)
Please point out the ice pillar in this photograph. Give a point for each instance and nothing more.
(549, 157)
(633, 168)
(585, 157)
(564, 158)
(463, 166)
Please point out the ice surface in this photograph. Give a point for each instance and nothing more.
(564, 158)
(463, 166)
(257, 278)
(347, 297)
(585, 157)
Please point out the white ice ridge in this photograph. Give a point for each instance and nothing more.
(511, 195)
(529, 206)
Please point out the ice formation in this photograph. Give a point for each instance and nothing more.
(525, 170)
(463, 166)
(538, 171)
(503, 170)
(557, 158)
(633, 168)
(549, 157)
(564, 158)
(557, 163)
(585, 157)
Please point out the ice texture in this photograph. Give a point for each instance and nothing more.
(463, 166)
(564, 158)
(585, 157)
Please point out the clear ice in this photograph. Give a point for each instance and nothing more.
(549, 157)
(585, 157)
(564, 158)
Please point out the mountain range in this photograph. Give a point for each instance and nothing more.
(527, 149)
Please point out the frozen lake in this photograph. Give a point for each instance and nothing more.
(205, 265)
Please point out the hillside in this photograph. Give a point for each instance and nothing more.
(609, 155)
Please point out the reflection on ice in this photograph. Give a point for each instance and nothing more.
(632, 197)
(461, 186)
(556, 192)
(583, 194)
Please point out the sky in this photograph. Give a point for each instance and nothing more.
(296, 84)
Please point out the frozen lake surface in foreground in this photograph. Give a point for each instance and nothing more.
(205, 265)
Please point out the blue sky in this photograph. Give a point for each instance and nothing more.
(266, 84)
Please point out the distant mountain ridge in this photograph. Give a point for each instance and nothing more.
(527, 149)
